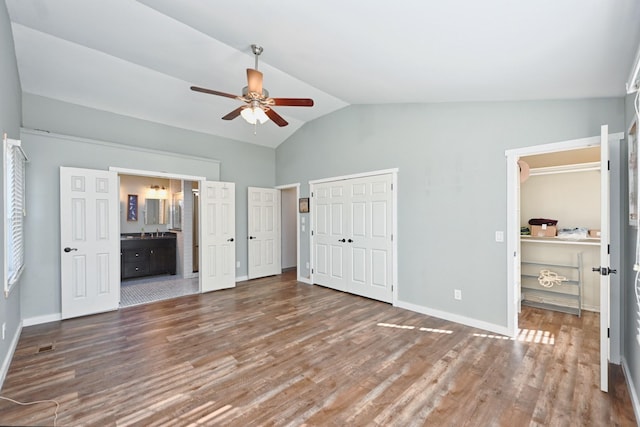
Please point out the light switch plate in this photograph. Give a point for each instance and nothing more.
(499, 236)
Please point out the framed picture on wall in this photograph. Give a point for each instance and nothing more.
(303, 205)
(132, 207)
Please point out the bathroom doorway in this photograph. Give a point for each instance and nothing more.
(179, 219)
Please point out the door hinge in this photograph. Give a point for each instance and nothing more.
(392, 186)
(608, 332)
(392, 237)
(312, 232)
(391, 288)
(609, 249)
(312, 271)
(312, 194)
(608, 165)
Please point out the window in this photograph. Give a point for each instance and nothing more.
(14, 185)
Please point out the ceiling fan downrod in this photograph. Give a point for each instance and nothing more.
(257, 50)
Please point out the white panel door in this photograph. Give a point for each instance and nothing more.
(264, 232)
(90, 244)
(217, 235)
(604, 258)
(353, 227)
(329, 235)
(369, 241)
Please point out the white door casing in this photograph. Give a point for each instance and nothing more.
(353, 235)
(264, 239)
(217, 235)
(89, 237)
(513, 232)
(605, 280)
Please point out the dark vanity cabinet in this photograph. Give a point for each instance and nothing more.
(147, 256)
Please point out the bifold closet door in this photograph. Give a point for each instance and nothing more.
(353, 246)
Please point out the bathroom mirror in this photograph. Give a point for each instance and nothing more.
(156, 211)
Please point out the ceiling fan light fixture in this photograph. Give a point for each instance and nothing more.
(253, 115)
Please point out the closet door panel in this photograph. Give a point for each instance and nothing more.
(359, 266)
(379, 262)
(329, 249)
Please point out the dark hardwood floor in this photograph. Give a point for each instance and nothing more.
(276, 352)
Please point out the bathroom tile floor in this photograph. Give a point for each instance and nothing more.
(157, 288)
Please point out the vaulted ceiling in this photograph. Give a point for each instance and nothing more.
(139, 58)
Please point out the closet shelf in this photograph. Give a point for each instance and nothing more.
(564, 282)
(564, 301)
(590, 241)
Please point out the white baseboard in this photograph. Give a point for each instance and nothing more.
(38, 320)
(468, 321)
(632, 388)
(7, 360)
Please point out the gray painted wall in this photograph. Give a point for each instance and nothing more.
(10, 121)
(631, 311)
(451, 183)
(242, 163)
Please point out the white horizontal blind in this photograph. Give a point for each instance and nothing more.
(15, 211)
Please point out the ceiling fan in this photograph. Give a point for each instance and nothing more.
(257, 104)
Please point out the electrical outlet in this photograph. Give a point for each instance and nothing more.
(457, 294)
(307, 266)
(238, 264)
(4, 330)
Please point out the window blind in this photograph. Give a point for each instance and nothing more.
(14, 181)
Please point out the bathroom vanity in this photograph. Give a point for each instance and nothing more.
(147, 255)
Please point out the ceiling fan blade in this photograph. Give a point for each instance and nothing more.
(293, 102)
(212, 92)
(254, 80)
(276, 118)
(235, 113)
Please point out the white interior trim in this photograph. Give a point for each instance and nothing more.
(355, 175)
(115, 145)
(463, 320)
(297, 187)
(573, 144)
(156, 174)
(4, 369)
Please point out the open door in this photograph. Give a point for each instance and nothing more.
(217, 235)
(604, 268)
(89, 241)
(263, 209)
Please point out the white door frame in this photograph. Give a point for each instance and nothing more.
(299, 278)
(167, 175)
(394, 174)
(513, 219)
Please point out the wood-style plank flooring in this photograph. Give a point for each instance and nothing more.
(276, 352)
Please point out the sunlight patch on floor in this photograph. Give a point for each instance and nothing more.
(437, 331)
